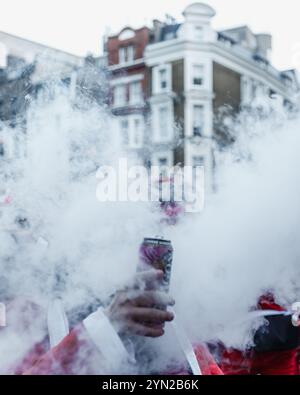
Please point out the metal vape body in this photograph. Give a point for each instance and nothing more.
(158, 254)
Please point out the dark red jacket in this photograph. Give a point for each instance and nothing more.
(236, 362)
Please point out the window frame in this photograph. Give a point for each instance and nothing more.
(157, 88)
(157, 137)
(132, 142)
(198, 28)
(138, 99)
(200, 77)
(126, 54)
(202, 126)
(120, 103)
(125, 138)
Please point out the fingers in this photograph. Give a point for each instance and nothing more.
(147, 331)
(141, 311)
(150, 315)
(151, 299)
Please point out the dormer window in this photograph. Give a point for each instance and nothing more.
(126, 34)
(126, 54)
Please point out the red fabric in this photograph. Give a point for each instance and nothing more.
(76, 354)
(267, 302)
(206, 361)
(236, 362)
(70, 357)
(275, 363)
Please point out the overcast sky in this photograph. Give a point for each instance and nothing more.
(77, 26)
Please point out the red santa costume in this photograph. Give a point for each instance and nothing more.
(91, 348)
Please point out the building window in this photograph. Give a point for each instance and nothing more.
(246, 90)
(136, 93)
(162, 78)
(163, 123)
(169, 36)
(137, 137)
(163, 82)
(132, 131)
(162, 162)
(198, 161)
(124, 126)
(122, 55)
(253, 90)
(126, 54)
(127, 34)
(198, 75)
(130, 53)
(198, 121)
(120, 95)
(262, 89)
(199, 33)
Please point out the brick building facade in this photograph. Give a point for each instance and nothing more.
(169, 85)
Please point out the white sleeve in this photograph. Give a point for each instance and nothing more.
(106, 339)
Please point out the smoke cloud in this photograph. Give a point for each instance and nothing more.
(245, 243)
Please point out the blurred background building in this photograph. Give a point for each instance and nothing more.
(173, 85)
(170, 86)
(25, 67)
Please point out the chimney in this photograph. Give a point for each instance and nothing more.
(264, 45)
(157, 27)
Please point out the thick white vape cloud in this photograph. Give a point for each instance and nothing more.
(245, 243)
(92, 246)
